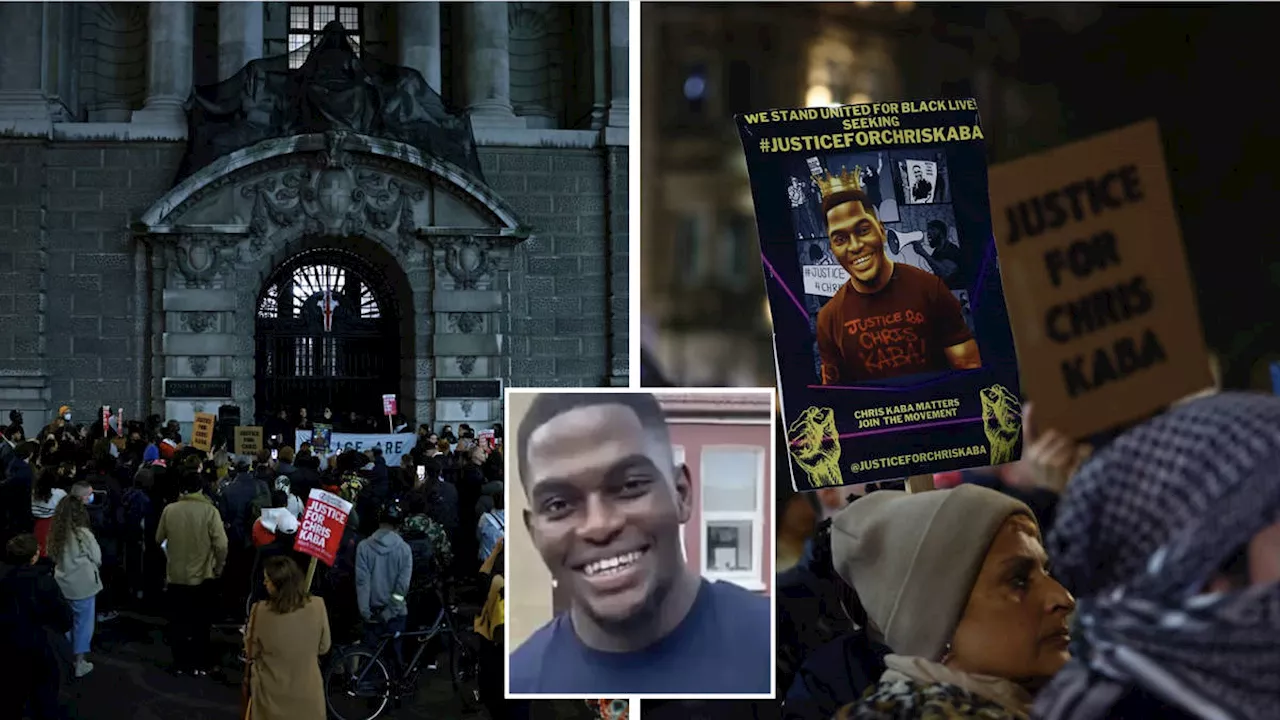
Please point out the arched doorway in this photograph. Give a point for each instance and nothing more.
(327, 335)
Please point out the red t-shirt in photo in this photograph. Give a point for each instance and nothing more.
(901, 330)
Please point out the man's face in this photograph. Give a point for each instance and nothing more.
(917, 173)
(605, 512)
(857, 241)
(936, 235)
(433, 438)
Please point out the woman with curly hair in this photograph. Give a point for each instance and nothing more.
(77, 557)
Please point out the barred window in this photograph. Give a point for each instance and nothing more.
(306, 21)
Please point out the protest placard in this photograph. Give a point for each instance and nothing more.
(1101, 299)
(323, 521)
(202, 431)
(389, 405)
(891, 336)
(248, 440)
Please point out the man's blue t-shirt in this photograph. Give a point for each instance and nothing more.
(721, 647)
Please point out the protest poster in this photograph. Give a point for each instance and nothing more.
(323, 521)
(1100, 295)
(320, 437)
(892, 340)
(248, 440)
(389, 405)
(202, 431)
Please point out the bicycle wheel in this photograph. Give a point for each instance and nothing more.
(357, 686)
(464, 671)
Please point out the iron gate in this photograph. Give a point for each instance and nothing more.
(326, 337)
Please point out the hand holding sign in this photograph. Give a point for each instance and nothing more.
(815, 445)
(1050, 458)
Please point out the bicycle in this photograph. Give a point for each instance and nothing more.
(359, 676)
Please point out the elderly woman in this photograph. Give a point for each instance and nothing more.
(286, 636)
(957, 583)
(1171, 537)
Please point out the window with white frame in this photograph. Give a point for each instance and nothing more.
(732, 482)
(677, 452)
(307, 20)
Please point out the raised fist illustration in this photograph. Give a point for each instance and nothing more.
(1002, 420)
(815, 444)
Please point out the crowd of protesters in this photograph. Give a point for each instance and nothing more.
(95, 522)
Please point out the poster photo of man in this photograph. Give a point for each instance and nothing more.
(920, 178)
(926, 238)
(891, 317)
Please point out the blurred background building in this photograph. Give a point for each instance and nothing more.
(1043, 75)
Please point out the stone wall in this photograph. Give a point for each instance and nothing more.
(67, 268)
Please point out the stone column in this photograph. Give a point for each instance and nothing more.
(22, 96)
(239, 36)
(170, 27)
(619, 63)
(419, 36)
(488, 65)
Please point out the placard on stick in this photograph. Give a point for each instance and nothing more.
(1100, 297)
(202, 431)
(323, 522)
(248, 440)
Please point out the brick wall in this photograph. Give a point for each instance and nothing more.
(560, 302)
(64, 213)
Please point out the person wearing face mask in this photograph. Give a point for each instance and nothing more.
(1170, 535)
(957, 584)
(58, 424)
(606, 503)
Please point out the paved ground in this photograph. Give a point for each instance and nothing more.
(130, 671)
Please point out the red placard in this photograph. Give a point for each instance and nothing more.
(106, 420)
(388, 405)
(322, 524)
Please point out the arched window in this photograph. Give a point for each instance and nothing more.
(308, 282)
(307, 20)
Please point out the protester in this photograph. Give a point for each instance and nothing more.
(287, 634)
(75, 551)
(671, 631)
(825, 677)
(1170, 536)
(32, 611)
(956, 581)
(192, 534)
(44, 500)
(490, 625)
(493, 519)
(384, 569)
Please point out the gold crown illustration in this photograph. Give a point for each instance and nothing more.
(836, 184)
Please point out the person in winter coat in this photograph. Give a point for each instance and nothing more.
(432, 556)
(195, 543)
(32, 609)
(1170, 535)
(384, 569)
(15, 492)
(957, 584)
(78, 558)
(288, 633)
(829, 675)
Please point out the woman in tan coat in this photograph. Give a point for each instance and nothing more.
(288, 634)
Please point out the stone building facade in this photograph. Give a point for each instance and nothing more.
(119, 286)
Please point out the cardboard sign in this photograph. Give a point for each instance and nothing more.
(248, 440)
(106, 420)
(1100, 297)
(389, 405)
(323, 521)
(891, 336)
(202, 431)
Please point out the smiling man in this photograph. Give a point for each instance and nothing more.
(606, 505)
(889, 319)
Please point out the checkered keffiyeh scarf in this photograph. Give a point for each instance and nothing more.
(1143, 527)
